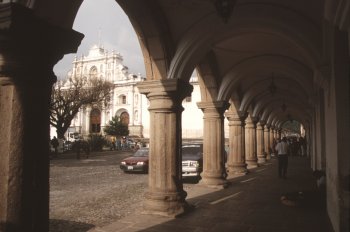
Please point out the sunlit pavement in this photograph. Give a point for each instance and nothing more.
(250, 204)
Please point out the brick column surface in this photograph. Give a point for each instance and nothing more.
(236, 165)
(29, 48)
(214, 172)
(165, 195)
(267, 142)
(250, 143)
(260, 144)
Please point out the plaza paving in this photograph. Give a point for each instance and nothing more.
(250, 204)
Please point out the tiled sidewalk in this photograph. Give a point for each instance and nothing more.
(250, 204)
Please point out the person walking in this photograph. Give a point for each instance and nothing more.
(282, 149)
(55, 143)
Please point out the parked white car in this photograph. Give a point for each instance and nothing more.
(192, 160)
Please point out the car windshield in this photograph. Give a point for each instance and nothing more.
(192, 149)
(141, 152)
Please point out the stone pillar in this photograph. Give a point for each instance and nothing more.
(275, 133)
(279, 133)
(260, 143)
(236, 165)
(267, 142)
(165, 195)
(272, 140)
(250, 143)
(29, 48)
(213, 144)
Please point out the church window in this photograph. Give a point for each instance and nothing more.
(122, 99)
(93, 72)
(95, 121)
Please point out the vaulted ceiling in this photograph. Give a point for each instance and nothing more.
(263, 43)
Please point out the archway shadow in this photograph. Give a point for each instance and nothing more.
(58, 225)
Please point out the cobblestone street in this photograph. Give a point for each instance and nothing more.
(92, 192)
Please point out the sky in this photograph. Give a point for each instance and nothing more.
(104, 19)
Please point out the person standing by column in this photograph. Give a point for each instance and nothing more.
(282, 149)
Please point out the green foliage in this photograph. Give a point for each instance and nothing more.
(292, 125)
(97, 142)
(116, 128)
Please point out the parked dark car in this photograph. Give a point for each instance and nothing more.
(192, 160)
(138, 162)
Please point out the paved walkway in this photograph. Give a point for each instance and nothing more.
(250, 204)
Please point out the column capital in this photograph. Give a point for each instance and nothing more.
(214, 108)
(236, 115)
(31, 45)
(213, 104)
(250, 123)
(177, 86)
(266, 128)
(263, 123)
(233, 116)
(165, 95)
(235, 119)
(255, 119)
(260, 125)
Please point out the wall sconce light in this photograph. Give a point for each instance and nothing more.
(224, 8)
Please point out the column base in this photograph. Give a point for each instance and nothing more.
(268, 156)
(166, 204)
(236, 170)
(217, 182)
(252, 164)
(261, 159)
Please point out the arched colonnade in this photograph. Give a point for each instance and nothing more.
(267, 55)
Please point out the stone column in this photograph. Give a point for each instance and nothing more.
(267, 142)
(250, 143)
(236, 165)
(213, 174)
(275, 133)
(279, 133)
(29, 48)
(272, 140)
(165, 195)
(213, 144)
(260, 143)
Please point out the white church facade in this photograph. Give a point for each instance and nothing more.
(126, 103)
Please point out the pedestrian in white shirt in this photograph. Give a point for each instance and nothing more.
(282, 149)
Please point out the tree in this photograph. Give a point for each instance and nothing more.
(116, 127)
(69, 96)
(292, 125)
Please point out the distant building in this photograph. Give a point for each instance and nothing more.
(127, 103)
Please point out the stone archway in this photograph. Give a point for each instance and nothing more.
(172, 47)
(125, 118)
